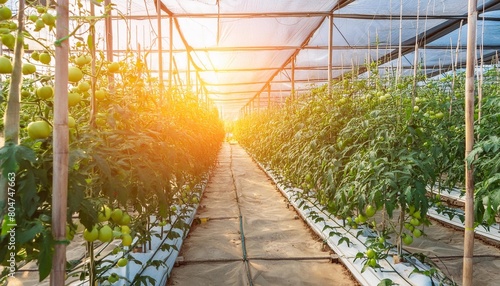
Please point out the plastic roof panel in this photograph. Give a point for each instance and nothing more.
(237, 47)
(488, 34)
(409, 7)
(244, 6)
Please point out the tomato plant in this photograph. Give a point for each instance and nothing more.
(374, 145)
(132, 156)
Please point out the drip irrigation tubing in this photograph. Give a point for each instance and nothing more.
(242, 233)
(304, 258)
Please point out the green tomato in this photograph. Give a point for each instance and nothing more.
(116, 215)
(417, 215)
(91, 235)
(361, 218)
(113, 278)
(417, 233)
(415, 221)
(372, 262)
(104, 214)
(407, 239)
(122, 262)
(105, 234)
(370, 253)
(370, 211)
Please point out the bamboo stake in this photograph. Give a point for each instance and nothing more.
(61, 146)
(268, 96)
(12, 112)
(399, 68)
(109, 42)
(480, 81)
(188, 73)
(415, 60)
(455, 66)
(93, 106)
(330, 43)
(160, 54)
(171, 43)
(258, 102)
(11, 131)
(293, 78)
(469, 142)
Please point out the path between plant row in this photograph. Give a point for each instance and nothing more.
(246, 235)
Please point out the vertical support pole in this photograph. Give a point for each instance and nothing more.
(258, 102)
(188, 73)
(61, 147)
(330, 43)
(160, 52)
(171, 44)
(469, 142)
(268, 96)
(109, 57)
(108, 26)
(400, 47)
(293, 77)
(197, 85)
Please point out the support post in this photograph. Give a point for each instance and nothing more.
(268, 96)
(61, 147)
(160, 48)
(469, 142)
(293, 78)
(188, 73)
(330, 43)
(171, 44)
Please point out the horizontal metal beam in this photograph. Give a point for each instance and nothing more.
(304, 14)
(338, 48)
(254, 91)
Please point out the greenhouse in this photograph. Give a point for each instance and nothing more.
(230, 142)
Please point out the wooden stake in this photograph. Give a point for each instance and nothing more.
(93, 102)
(330, 43)
(12, 113)
(171, 45)
(109, 43)
(61, 146)
(293, 78)
(469, 142)
(268, 96)
(160, 52)
(415, 60)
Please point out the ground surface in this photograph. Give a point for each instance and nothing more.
(280, 248)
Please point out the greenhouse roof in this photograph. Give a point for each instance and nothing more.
(238, 50)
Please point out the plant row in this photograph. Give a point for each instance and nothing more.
(135, 151)
(371, 149)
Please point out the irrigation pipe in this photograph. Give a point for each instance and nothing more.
(242, 234)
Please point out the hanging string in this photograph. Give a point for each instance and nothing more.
(400, 50)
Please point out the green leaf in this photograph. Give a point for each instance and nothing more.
(28, 193)
(87, 214)
(26, 154)
(90, 42)
(23, 236)
(8, 158)
(344, 239)
(386, 282)
(45, 258)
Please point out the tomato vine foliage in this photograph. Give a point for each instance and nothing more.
(374, 141)
(141, 152)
